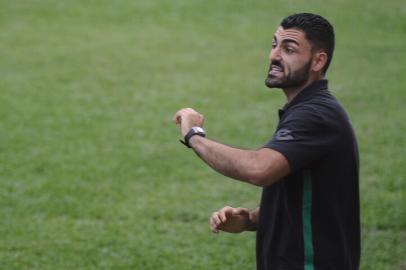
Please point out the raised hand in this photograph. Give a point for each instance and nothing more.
(187, 118)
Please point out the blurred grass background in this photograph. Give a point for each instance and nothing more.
(91, 173)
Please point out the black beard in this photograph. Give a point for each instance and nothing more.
(292, 80)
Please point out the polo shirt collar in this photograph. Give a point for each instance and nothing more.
(307, 92)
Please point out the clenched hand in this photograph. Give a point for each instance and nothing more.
(187, 118)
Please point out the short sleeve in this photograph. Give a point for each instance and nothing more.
(305, 135)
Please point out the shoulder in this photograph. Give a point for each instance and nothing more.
(323, 109)
(304, 114)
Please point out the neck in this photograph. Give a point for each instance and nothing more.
(292, 92)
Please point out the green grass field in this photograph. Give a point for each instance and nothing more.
(92, 175)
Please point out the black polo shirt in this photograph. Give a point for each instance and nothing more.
(310, 219)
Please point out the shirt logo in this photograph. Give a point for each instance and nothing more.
(283, 135)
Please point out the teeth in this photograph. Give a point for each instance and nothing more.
(276, 68)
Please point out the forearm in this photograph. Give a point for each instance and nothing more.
(232, 162)
(261, 167)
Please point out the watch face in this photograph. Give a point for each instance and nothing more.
(198, 129)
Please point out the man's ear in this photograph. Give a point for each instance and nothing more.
(319, 61)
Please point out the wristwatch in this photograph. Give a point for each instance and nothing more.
(192, 132)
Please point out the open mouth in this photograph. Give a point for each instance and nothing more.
(275, 70)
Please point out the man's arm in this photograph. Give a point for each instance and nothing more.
(261, 167)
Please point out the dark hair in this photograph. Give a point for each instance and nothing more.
(319, 32)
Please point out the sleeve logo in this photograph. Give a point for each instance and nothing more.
(283, 135)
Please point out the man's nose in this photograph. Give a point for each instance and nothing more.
(274, 54)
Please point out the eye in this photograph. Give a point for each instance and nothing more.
(289, 50)
(273, 45)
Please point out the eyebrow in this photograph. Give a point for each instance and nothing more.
(288, 40)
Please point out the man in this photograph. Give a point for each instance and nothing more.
(308, 216)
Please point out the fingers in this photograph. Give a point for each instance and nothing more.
(215, 222)
(177, 118)
(226, 210)
(219, 218)
(178, 114)
(240, 211)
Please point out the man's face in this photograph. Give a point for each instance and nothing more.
(290, 59)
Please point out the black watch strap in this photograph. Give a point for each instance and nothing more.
(192, 132)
